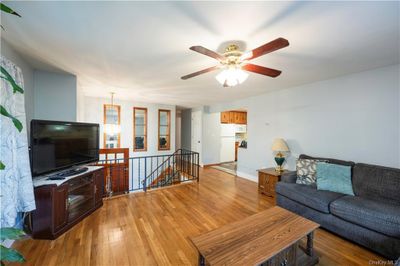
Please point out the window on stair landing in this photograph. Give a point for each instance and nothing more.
(112, 127)
(164, 129)
(139, 129)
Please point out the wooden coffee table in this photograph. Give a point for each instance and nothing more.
(270, 237)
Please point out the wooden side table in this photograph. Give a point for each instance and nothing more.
(267, 179)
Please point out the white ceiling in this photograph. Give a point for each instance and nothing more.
(140, 49)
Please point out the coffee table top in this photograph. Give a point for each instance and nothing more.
(254, 239)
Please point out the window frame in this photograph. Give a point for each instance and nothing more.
(168, 130)
(145, 128)
(105, 122)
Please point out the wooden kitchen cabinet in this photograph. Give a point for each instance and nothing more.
(245, 118)
(234, 117)
(237, 117)
(241, 118)
(267, 179)
(225, 117)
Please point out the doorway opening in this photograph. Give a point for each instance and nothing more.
(233, 139)
(230, 167)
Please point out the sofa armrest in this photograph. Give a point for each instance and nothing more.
(289, 177)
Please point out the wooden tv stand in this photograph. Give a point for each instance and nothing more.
(60, 204)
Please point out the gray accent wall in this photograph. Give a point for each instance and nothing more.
(55, 96)
(27, 71)
(186, 129)
(48, 95)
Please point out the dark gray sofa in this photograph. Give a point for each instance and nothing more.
(371, 218)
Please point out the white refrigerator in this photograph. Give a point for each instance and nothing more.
(227, 151)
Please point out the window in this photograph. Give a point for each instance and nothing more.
(164, 128)
(139, 129)
(112, 129)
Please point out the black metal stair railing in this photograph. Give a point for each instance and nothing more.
(148, 172)
(182, 165)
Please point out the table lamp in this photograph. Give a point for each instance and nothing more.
(279, 145)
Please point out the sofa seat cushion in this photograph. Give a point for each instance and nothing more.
(379, 216)
(308, 195)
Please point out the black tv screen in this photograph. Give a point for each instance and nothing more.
(58, 145)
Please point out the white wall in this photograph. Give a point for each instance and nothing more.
(55, 96)
(8, 52)
(211, 138)
(93, 113)
(353, 117)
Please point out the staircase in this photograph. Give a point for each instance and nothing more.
(182, 165)
(146, 172)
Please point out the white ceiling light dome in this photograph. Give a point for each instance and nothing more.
(231, 76)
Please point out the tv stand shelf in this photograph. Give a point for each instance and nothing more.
(60, 204)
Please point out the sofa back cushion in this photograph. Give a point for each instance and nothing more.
(306, 171)
(335, 178)
(328, 160)
(377, 183)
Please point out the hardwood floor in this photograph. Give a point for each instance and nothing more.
(153, 228)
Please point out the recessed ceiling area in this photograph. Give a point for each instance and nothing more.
(141, 49)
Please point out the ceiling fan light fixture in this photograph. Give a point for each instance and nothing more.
(234, 62)
(231, 77)
(246, 55)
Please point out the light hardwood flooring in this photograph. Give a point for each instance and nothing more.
(153, 228)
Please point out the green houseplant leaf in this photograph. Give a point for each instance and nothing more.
(9, 254)
(7, 76)
(16, 122)
(8, 10)
(10, 233)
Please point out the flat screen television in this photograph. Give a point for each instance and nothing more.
(56, 145)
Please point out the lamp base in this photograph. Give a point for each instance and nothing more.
(279, 169)
(279, 159)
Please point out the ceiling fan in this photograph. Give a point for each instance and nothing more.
(234, 61)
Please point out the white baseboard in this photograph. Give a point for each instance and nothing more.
(247, 176)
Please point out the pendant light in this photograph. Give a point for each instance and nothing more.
(112, 128)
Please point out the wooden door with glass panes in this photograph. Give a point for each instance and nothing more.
(112, 120)
(116, 170)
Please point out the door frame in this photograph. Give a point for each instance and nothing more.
(196, 145)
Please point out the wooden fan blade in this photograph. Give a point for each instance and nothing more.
(262, 70)
(266, 48)
(194, 74)
(207, 52)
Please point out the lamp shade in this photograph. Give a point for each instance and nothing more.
(279, 145)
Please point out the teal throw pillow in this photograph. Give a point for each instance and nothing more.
(334, 177)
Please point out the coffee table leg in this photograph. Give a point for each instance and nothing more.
(310, 245)
(202, 261)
